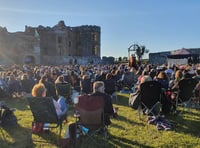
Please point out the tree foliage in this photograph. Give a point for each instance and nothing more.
(125, 59)
(139, 50)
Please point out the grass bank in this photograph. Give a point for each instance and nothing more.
(126, 131)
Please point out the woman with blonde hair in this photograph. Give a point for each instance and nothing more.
(60, 79)
(39, 90)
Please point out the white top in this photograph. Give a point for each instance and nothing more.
(57, 107)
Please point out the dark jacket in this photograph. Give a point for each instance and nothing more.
(110, 86)
(86, 86)
(108, 108)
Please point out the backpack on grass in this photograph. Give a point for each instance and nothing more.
(7, 116)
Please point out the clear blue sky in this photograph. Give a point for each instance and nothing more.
(160, 25)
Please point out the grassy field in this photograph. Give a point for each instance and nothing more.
(126, 131)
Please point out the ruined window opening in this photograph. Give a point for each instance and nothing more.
(93, 50)
(96, 50)
(59, 40)
(60, 50)
(94, 36)
(70, 44)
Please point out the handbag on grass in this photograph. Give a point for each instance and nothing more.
(134, 100)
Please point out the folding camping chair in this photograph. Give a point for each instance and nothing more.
(64, 89)
(90, 120)
(185, 93)
(43, 111)
(150, 98)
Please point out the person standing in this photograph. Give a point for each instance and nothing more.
(133, 61)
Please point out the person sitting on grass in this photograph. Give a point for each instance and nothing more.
(39, 90)
(63, 91)
(98, 91)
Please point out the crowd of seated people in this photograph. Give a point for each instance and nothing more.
(81, 78)
(22, 78)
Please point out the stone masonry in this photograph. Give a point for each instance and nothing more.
(59, 44)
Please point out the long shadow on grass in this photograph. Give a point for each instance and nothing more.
(17, 136)
(45, 138)
(123, 142)
(189, 126)
(14, 136)
(128, 121)
(122, 100)
(19, 104)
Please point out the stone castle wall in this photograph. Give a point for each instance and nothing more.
(58, 44)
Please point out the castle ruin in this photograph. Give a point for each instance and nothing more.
(55, 45)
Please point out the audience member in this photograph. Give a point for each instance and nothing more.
(110, 84)
(39, 90)
(51, 91)
(133, 61)
(85, 84)
(163, 79)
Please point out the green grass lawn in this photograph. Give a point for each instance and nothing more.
(126, 131)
